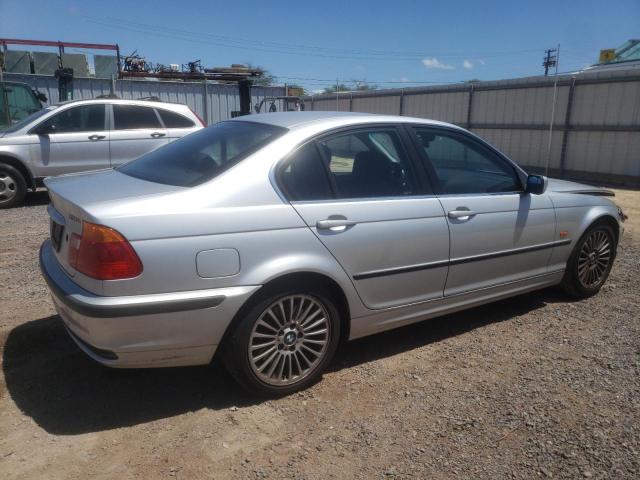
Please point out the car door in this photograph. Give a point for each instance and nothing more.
(360, 194)
(498, 233)
(177, 125)
(135, 130)
(75, 139)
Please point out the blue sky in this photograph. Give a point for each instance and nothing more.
(313, 44)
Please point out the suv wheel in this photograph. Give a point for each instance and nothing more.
(284, 342)
(13, 187)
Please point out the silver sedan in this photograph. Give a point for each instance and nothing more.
(270, 238)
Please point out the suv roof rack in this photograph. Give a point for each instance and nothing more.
(107, 95)
(151, 99)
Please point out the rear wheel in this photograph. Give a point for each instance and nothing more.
(13, 187)
(590, 262)
(284, 342)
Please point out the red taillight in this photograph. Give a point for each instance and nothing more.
(102, 253)
(198, 117)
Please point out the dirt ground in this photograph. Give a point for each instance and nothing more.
(535, 386)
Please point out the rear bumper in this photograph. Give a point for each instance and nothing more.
(158, 330)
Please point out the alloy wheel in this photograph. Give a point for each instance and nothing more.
(594, 259)
(289, 340)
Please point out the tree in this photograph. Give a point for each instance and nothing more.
(362, 85)
(353, 86)
(266, 80)
(341, 87)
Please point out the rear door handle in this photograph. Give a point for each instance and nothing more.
(158, 134)
(461, 214)
(94, 138)
(334, 224)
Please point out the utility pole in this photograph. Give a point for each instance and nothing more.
(556, 60)
(550, 60)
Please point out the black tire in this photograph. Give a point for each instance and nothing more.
(13, 187)
(236, 347)
(573, 283)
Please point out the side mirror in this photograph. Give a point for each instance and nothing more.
(536, 184)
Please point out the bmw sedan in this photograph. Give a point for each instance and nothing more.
(268, 239)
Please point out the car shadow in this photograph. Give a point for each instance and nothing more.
(67, 393)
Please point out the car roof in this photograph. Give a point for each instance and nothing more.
(123, 101)
(292, 120)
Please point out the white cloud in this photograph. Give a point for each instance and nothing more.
(481, 62)
(435, 63)
(467, 64)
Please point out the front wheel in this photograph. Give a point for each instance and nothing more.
(284, 342)
(13, 187)
(590, 262)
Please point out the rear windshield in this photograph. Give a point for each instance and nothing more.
(203, 155)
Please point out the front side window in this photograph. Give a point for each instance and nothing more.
(464, 166)
(203, 155)
(84, 118)
(365, 164)
(134, 117)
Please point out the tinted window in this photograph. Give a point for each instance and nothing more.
(463, 165)
(26, 121)
(304, 177)
(21, 102)
(131, 117)
(203, 155)
(368, 164)
(175, 120)
(85, 118)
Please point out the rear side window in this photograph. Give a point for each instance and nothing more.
(175, 120)
(368, 164)
(203, 155)
(84, 118)
(304, 177)
(132, 117)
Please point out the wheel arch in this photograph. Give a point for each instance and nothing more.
(597, 216)
(297, 279)
(21, 167)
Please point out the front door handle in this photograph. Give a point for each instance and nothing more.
(461, 214)
(158, 134)
(334, 224)
(94, 138)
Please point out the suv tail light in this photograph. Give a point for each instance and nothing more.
(198, 117)
(103, 253)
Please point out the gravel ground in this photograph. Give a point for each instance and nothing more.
(532, 387)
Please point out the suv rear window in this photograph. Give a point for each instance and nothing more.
(132, 117)
(175, 120)
(201, 156)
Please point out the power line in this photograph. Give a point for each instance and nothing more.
(281, 48)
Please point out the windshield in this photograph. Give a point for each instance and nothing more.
(203, 155)
(27, 120)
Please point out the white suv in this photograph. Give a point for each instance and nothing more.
(84, 135)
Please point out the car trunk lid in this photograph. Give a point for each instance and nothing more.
(75, 197)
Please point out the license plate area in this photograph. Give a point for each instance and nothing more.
(56, 231)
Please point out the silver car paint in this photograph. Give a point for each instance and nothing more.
(61, 153)
(243, 209)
